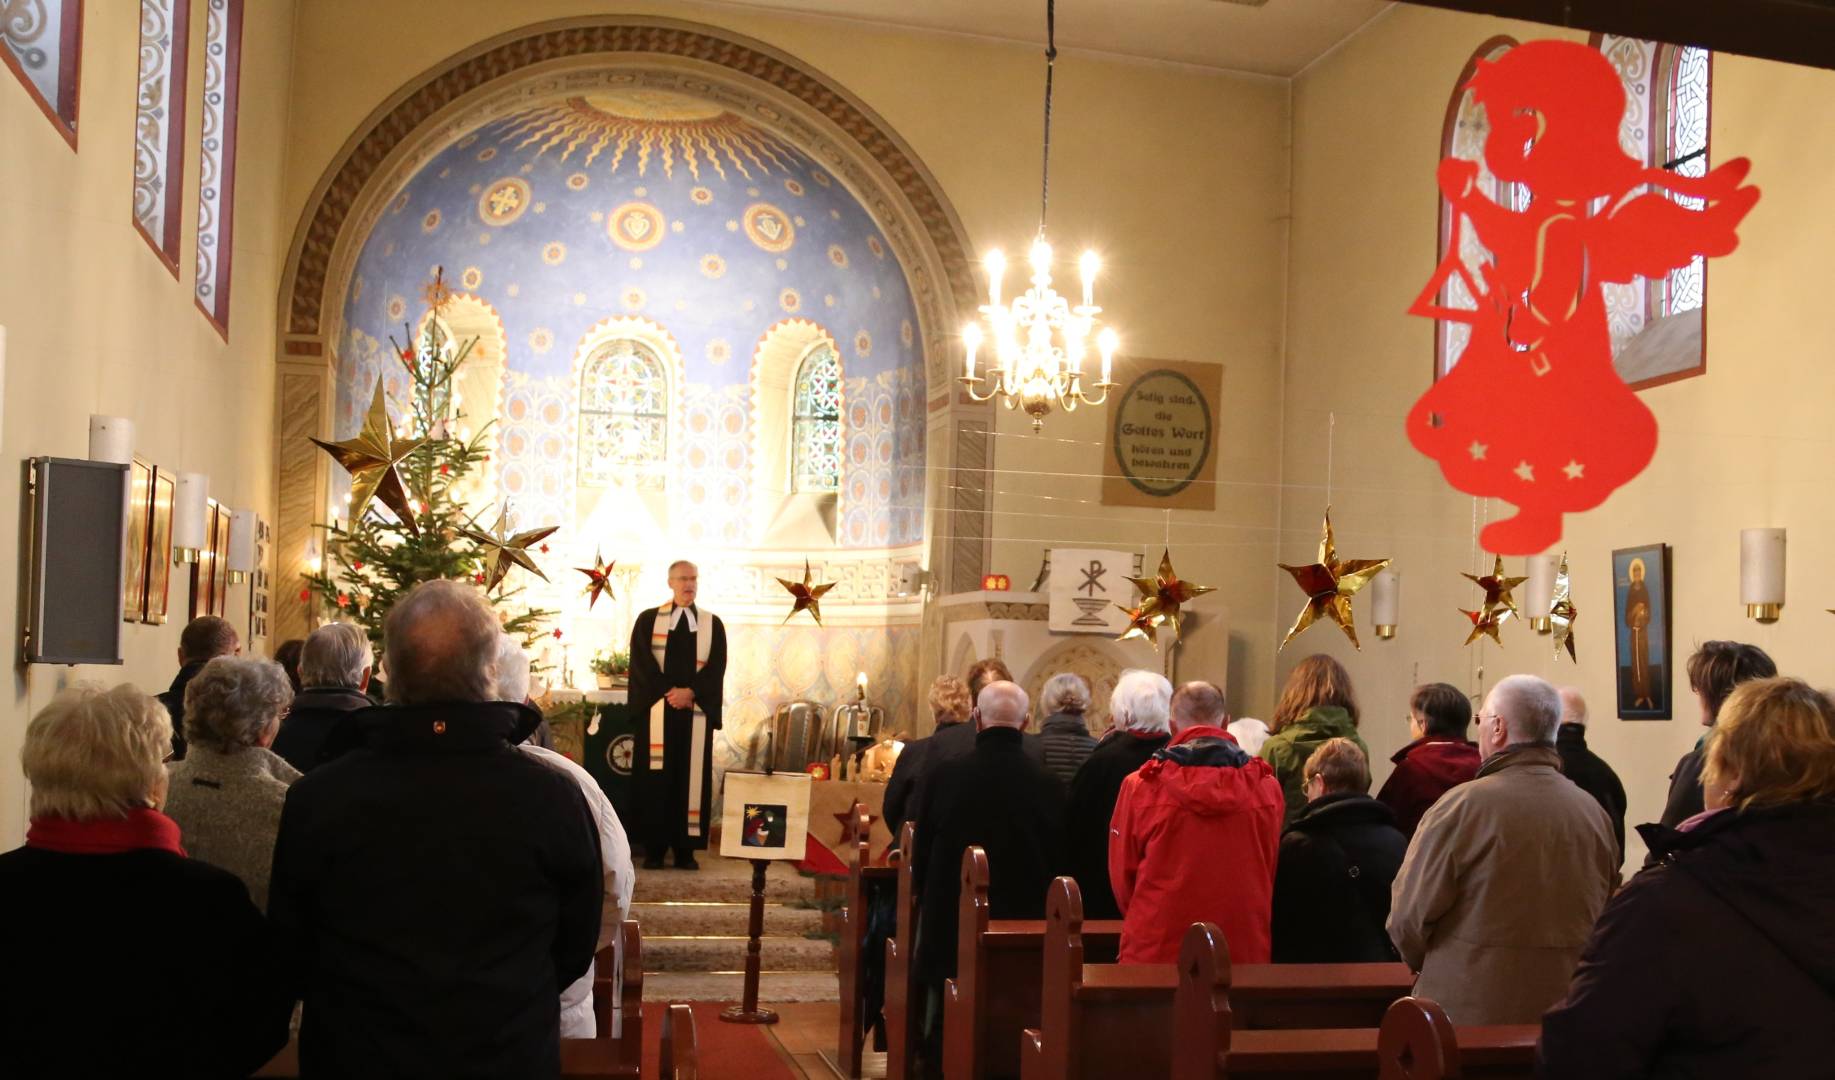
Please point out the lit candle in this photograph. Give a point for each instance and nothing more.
(862, 683)
(997, 269)
(1041, 257)
(1088, 265)
(312, 557)
(1107, 342)
(971, 342)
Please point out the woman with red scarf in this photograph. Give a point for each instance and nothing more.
(124, 957)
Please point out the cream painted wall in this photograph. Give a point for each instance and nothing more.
(95, 324)
(1179, 175)
(1748, 444)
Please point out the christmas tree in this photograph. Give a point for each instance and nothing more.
(371, 561)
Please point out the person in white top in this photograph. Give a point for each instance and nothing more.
(614, 851)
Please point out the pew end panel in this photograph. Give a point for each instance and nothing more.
(901, 993)
(678, 1056)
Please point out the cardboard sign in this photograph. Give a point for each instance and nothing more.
(765, 816)
(1162, 431)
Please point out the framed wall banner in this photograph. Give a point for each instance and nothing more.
(139, 537)
(159, 546)
(259, 584)
(1088, 590)
(1641, 623)
(1162, 428)
(219, 561)
(765, 815)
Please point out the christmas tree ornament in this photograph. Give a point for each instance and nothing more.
(1143, 622)
(806, 595)
(1484, 624)
(1165, 594)
(501, 549)
(1562, 613)
(373, 459)
(1533, 412)
(1497, 587)
(1329, 585)
(598, 579)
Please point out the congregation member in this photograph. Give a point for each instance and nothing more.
(1064, 735)
(1195, 838)
(950, 704)
(1748, 884)
(437, 890)
(123, 956)
(1338, 860)
(1438, 758)
(1504, 878)
(998, 797)
(1317, 704)
(1139, 724)
(982, 672)
(204, 639)
(335, 667)
(1587, 769)
(577, 1021)
(287, 656)
(1713, 671)
(227, 793)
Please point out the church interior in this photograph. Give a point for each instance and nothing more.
(754, 286)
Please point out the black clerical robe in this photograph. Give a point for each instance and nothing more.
(666, 795)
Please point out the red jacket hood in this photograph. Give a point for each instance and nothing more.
(1203, 771)
(1449, 761)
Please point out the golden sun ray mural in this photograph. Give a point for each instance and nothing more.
(655, 125)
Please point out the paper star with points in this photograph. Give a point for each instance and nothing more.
(807, 595)
(1562, 613)
(1143, 622)
(1164, 595)
(1484, 624)
(1329, 585)
(1497, 590)
(503, 550)
(371, 459)
(598, 579)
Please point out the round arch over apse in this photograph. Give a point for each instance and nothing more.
(776, 90)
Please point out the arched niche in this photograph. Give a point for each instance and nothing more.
(780, 516)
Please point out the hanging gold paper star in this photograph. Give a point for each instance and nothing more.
(1484, 624)
(1498, 600)
(1329, 585)
(1143, 622)
(598, 578)
(1165, 594)
(503, 550)
(371, 459)
(1562, 613)
(807, 595)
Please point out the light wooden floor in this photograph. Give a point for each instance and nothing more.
(803, 1031)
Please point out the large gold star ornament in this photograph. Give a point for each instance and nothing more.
(372, 458)
(598, 579)
(806, 595)
(1163, 596)
(1142, 623)
(503, 550)
(1329, 585)
(1484, 624)
(1562, 613)
(1497, 587)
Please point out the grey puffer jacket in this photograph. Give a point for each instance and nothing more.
(1067, 742)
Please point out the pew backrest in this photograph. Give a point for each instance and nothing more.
(901, 991)
(678, 1056)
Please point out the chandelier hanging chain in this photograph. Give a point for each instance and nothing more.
(1051, 58)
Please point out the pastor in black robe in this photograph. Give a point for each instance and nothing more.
(662, 794)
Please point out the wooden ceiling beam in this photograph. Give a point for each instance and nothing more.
(1793, 31)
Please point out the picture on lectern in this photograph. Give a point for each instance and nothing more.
(765, 825)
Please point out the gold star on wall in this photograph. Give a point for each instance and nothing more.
(806, 595)
(1329, 585)
(1164, 595)
(371, 459)
(502, 550)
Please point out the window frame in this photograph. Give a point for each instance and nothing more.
(217, 201)
(167, 245)
(794, 480)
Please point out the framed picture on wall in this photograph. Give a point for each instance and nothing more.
(159, 545)
(139, 533)
(219, 561)
(1641, 626)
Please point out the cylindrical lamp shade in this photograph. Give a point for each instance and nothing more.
(1761, 573)
(1541, 595)
(111, 438)
(1386, 602)
(190, 515)
(241, 544)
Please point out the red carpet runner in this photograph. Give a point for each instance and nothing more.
(742, 1051)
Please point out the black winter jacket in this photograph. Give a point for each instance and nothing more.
(174, 701)
(922, 757)
(1090, 807)
(1067, 742)
(1339, 857)
(307, 737)
(1591, 773)
(436, 891)
(1719, 961)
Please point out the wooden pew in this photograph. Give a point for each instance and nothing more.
(851, 1038)
(678, 1056)
(1418, 1042)
(902, 1004)
(995, 993)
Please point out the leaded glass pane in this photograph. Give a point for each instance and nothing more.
(624, 406)
(1688, 135)
(815, 431)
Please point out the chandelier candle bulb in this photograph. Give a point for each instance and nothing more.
(1088, 265)
(996, 264)
(1761, 573)
(1041, 261)
(1541, 598)
(971, 343)
(1107, 341)
(1386, 603)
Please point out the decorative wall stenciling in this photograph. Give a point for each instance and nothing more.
(217, 158)
(159, 125)
(42, 41)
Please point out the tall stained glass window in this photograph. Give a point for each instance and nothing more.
(624, 410)
(159, 125)
(815, 423)
(42, 41)
(217, 157)
(1686, 152)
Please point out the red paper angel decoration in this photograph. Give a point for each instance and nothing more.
(1534, 413)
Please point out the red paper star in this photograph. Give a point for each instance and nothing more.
(1484, 624)
(598, 579)
(806, 595)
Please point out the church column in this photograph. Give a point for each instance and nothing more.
(302, 404)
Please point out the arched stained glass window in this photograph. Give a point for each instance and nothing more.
(815, 425)
(1686, 152)
(624, 409)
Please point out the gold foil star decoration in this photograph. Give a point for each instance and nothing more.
(1498, 600)
(1163, 596)
(372, 458)
(598, 579)
(807, 595)
(1329, 585)
(1484, 624)
(503, 550)
(1562, 613)
(1142, 623)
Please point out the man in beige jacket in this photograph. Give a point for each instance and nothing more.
(1506, 874)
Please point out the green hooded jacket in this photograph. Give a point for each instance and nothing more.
(1288, 749)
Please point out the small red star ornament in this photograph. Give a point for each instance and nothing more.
(805, 595)
(598, 579)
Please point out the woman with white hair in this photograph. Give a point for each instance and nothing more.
(227, 793)
(1064, 733)
(335, 666)
(99, 896)
(1140, 713)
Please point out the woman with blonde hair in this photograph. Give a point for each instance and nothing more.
(1719, 960)
(950, 706)
(124, 957)
(1316, 705)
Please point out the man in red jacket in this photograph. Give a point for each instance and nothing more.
(1439, 759)
(1195, 837)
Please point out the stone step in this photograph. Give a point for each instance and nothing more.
(705, 954)
(774, 987)
(680, 919)
(721, 880)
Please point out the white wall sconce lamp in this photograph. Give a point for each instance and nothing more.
(1541, 596)
(1761, 573)
(241, 545)
(1386, 603)
(190, 517)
